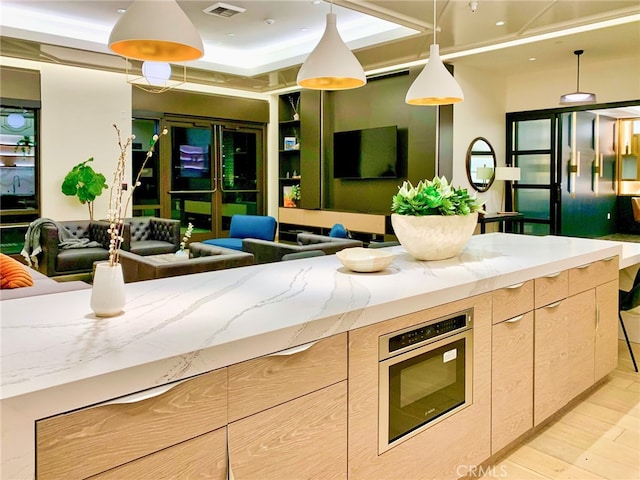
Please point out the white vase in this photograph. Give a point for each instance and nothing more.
(434, 237)
(107, 294)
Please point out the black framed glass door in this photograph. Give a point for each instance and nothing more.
(214, 171)
(531, 145)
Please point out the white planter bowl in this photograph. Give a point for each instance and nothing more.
(434, 237)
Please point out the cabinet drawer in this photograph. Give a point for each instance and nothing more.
(551, 288)
(261, 383)
(511, 380)
(512, 301)
(305, 438)
(111, 434)
(199, 458)
(586, 277)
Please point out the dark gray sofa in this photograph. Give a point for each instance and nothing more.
(267, 252)
(141, 235)
(202, 258)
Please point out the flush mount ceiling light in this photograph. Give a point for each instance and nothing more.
(435, 85)
(156, 77)
(578, 96)
(157, 31)
(331, 65)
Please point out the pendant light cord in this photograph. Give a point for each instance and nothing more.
(435, 28)
(578, 74)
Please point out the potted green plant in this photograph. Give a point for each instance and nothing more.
(434, 220)
(24, 145)
(85, 183)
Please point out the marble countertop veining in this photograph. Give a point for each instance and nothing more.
(56, 355)
(54, 339)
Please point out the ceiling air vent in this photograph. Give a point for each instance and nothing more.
(223, 10)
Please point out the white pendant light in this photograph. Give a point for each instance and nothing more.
(156, 73)
(435, 85)
(156, 77)
(331, 65)
(158, 31)
(578, 96)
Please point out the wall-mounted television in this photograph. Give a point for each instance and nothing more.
(367, 153)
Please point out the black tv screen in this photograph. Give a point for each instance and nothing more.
(367, 153)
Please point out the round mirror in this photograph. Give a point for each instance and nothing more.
(481, 164)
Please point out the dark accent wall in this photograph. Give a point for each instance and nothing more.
(202, 105)
(381, 102)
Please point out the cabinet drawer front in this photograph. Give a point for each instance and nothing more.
(261, 383)
(551, 288)
(512, 301)
(106, 436)
(305, 438)
(204, 457)
(588, 276)
(511, 380)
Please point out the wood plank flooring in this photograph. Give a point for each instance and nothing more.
(599, 438)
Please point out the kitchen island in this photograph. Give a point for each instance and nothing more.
(57, 357)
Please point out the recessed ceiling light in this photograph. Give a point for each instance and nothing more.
(231, 34)
(121, 10)
(532, 59)
(304, 29)
(500, 23)
(316, 2)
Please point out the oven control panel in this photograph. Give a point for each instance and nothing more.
(396, 341)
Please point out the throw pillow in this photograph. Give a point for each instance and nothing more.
(13, 274)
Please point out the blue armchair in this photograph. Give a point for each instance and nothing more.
(262, 227)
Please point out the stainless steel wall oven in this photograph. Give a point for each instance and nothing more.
(425, 374)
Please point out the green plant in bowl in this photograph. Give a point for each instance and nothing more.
(434, 220)
(434, 197)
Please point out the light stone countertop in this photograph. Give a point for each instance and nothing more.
(57, 356)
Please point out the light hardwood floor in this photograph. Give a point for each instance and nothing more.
(599, 438)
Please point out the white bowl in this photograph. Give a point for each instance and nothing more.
(366, 260)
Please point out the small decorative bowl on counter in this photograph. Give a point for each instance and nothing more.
(365, 260)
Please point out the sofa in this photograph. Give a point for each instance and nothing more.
(31, 282)
(141, 235)
(202, 258)
(265, 251)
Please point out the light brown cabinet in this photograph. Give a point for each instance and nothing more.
(305, 438)
(513, 300)
(109, 435)
(511, 380)
(265, 382)
(288, 413)
(576, 338)
(606, 356)
(551, 288)
(564, 355)
(203, 457)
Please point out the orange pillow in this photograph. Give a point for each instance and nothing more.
(13, 274)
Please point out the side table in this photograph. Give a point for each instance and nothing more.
(502, 218)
